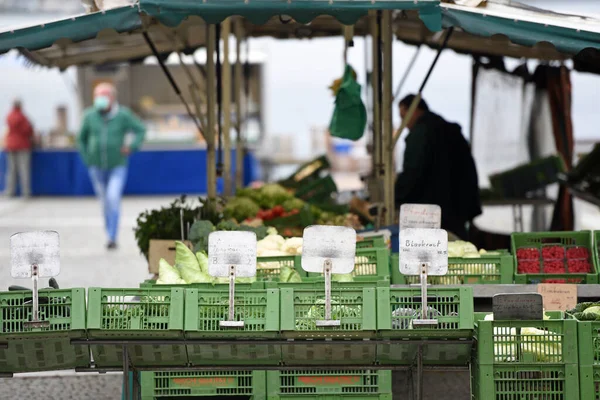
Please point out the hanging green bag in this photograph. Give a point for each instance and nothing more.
(349, 115)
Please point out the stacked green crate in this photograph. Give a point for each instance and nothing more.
(258, 308)
(526, 359)
(193, 384)
(302, 305)
(27, 349)
(370, 264)
(144, 313)
(447, 343)
(329, 385)
(589, 359)
(487, 269)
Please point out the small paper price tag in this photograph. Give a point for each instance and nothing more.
(517, 306)
(561, 297)
(426, 216)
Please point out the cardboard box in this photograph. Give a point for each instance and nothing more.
(162, 249)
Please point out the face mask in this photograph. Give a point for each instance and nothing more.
(102, 103)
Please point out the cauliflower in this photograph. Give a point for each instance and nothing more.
(293, 246)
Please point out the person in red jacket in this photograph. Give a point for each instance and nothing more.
(18, 144)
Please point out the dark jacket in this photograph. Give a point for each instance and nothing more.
(439, 169)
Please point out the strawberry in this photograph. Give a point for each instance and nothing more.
(579, 266)
(554, 267)
(528, 267)
(578, 252)
(553, 252)
(528, 254)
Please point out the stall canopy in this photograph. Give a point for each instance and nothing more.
(116, 35)
(179, 25)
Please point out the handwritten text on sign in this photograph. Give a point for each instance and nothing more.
(561, 297)
(518, 306)
(426, 216)
(418, 246)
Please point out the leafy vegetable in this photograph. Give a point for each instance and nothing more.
(189, 265)
(168, 275)
(272, 195)
(240, 208)
(289, 275)
(342, 278)
(586, 311)
(202, 261)
(164, 223)
(317, 312)
(293, 204)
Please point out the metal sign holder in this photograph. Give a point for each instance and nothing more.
(35, 255)
(232, 254)
(328, 250)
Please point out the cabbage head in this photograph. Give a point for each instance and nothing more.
(168, 275)
(202, 261)
(289, 275)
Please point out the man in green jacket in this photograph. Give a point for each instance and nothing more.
(438, 169)
(104, 144)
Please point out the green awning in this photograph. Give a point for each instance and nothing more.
(526, 26)
(172, 12)
(75, 29)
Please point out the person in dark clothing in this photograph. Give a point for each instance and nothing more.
(438, 169)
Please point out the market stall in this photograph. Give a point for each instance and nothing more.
(337, 306)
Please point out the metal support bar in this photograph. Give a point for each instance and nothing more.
(415, 102)
(126, 388)
(345, 367)
(226, 106)
(211, 161)
(387, 122)
(204, 342)
(237, 85)
(375, 188)
(171, 80)
(219, 82)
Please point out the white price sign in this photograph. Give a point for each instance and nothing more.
(426, 216)
(419, 246)
(232, 249)
(334, 243)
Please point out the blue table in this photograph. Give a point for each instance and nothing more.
(151, 172)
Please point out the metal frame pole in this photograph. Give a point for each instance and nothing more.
(211, 156)
(387, 124)
(226, 107)
(375, 190)
(237, 84)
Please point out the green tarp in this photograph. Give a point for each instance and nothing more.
(76, 29)
(172, 12)
(566, 40)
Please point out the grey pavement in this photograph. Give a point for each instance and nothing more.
(85, 262)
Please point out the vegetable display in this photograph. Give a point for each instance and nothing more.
(587, 311)
(554, 259)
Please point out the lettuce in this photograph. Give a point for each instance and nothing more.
(168, 275)
(287, 274)
(342, 278)
(202, 261)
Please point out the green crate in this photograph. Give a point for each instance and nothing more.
(193, 384)
(38, 349)
(329, 384)
(525, 382)
(317, 191)
(488, 269)
(268, 268)
(540, 239)
(554, 341)
(302, 306)
(369, 264)
(589, 359)
(301, 220)
(372, 242)
(307, 172)
(144, 313)
(455, 324)
(518, 182)
(258, 308)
